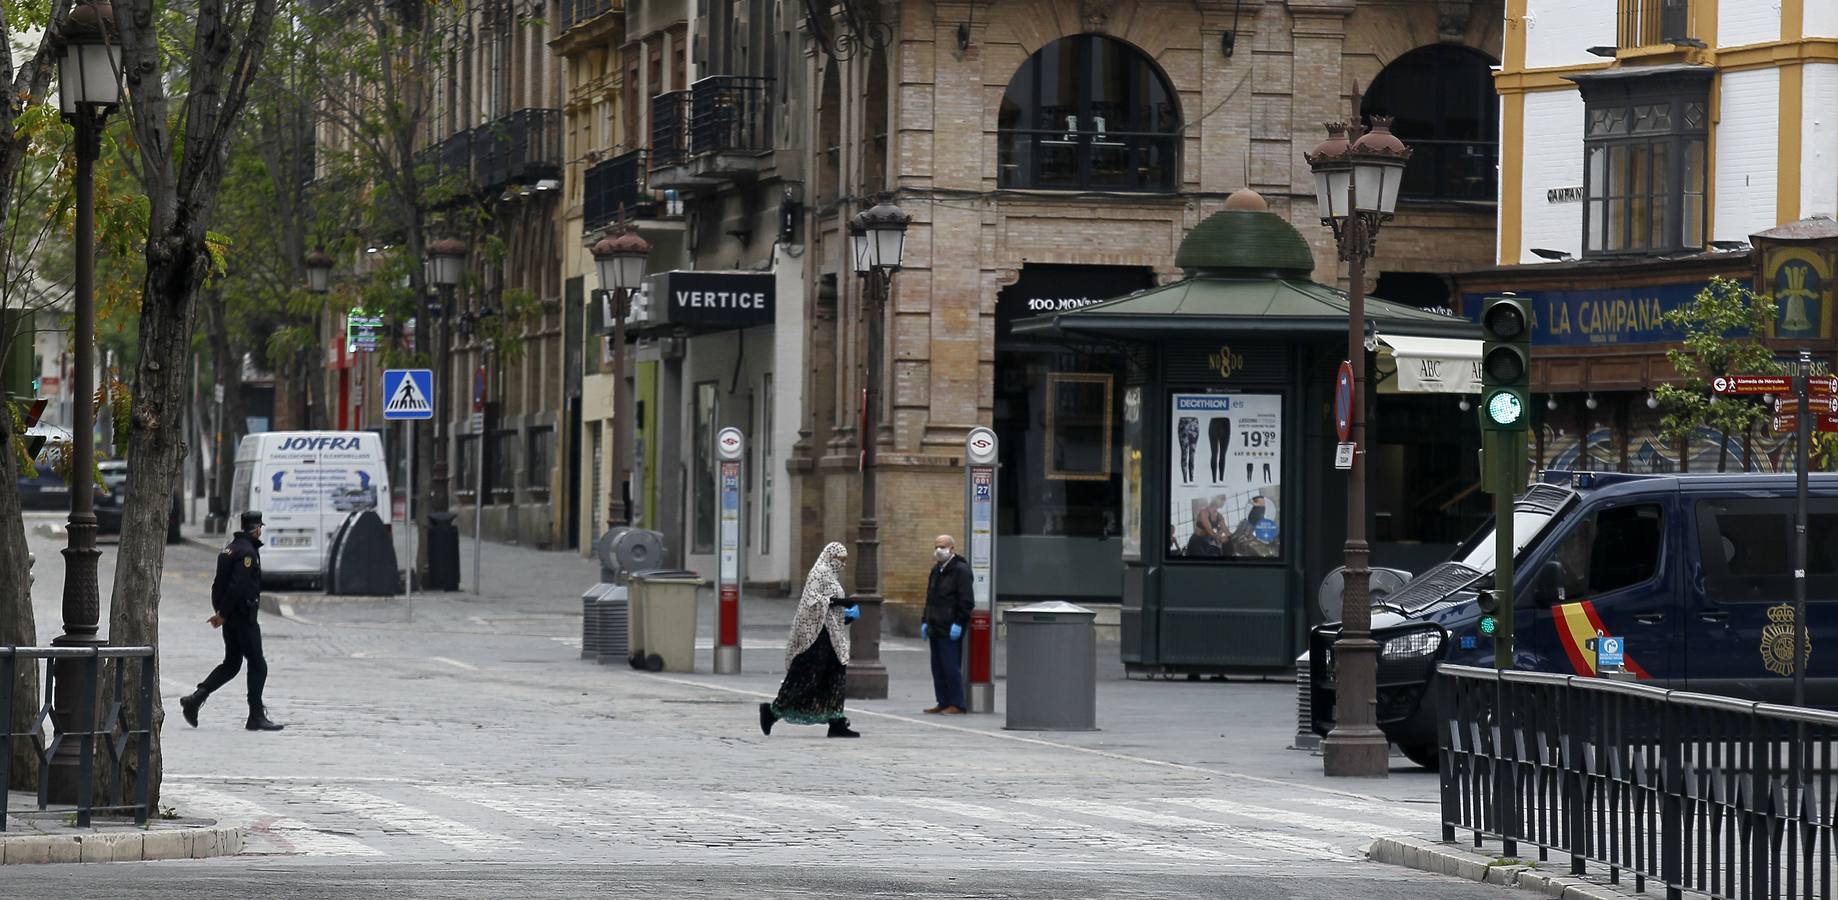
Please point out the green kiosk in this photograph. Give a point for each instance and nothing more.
(1233, 512)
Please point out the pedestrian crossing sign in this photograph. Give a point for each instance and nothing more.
(408, 394)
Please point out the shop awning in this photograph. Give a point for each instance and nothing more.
(1429, 365)
(1209, 305)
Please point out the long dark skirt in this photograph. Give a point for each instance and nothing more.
(812, 691)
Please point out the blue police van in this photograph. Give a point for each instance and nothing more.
(1693, 572)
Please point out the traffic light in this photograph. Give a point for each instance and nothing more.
(1506, 363)
(1489, 603)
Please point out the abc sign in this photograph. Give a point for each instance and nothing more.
(728, 443)
(980, 446)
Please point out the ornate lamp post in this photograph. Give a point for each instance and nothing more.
(1356, 187)
(319, 271)
(877, 240)
(620, 260)
(88, 87)
(446, 268)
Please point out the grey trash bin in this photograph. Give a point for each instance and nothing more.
(664, 619)
(1052, 668)
(613, 613)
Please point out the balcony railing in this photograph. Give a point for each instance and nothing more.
(1139, 162)
(522, 147)
(570, 13)
(729, 114)
(613, 185)
(1452, 170)
(451, 157)
(670, 129)
(1644, 23)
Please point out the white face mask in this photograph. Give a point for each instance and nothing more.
(943, 553)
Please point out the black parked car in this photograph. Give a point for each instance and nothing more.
(43, 489)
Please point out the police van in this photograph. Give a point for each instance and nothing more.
(1693, 572)
(305, 483)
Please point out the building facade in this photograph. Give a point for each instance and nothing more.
(1647, 147)
(1053, 153)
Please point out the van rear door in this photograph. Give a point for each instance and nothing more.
(1740, 636)
(1621, 578)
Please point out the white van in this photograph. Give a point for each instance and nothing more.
(305, 483)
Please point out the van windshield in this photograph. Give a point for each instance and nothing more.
(1528, 524)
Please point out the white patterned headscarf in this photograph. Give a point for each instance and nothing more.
(814, 610)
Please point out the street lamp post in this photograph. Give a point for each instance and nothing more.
(1356, 188)
(446, 267)
(877, 240)
(620, 261)
(89, 86)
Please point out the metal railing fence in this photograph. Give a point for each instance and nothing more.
(110, 729)
(1699, 793)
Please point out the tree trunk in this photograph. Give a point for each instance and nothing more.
(17, 627)
(1723, 451)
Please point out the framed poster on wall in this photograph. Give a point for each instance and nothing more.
(1226, 476)
(1132, 473)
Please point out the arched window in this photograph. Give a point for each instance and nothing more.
(1089, 113)
(1442, 103)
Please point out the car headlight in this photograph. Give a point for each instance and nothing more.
(1413, 645)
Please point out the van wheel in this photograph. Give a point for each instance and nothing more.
(1424, 755)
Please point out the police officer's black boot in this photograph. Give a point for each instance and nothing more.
(188, 706)
(258, 721)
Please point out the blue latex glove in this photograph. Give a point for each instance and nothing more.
(957, 631)
(924, 632)
(852, 612)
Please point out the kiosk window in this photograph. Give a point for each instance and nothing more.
(1747, 550)
(1613, 549)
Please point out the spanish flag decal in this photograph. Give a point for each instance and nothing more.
(1577, 626)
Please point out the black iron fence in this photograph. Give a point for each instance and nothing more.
(1713, 795)
(613, 185)
(729, 114)
(92, 724)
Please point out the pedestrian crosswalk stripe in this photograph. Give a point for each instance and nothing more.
(1291, 817)
(1414, 812)
(402, 817)
(906, 828)
(289, 834)
(1090, 836)
(1303, 847)
(408, 399)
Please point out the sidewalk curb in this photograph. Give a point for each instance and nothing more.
(1462, 862)
(133, 846)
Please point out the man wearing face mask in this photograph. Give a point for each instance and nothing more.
(949, 598)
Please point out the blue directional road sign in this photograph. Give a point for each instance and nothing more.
(408, 394)
(1608, 652)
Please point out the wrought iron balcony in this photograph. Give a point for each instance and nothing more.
(670, 129)
(1644, 23)
(616, 185)
(519, 148)
(730, 114)
(1452, 170)
(570, 13)
(1140, 162)
(451, 157)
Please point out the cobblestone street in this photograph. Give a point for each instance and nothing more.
(468, 730)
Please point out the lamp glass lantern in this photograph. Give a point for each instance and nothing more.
(886, 228)
(858, 246)
(88, 65)
(621, 270)
(1376, 183)
(318, 272)
(1332, 178)
(446, 269)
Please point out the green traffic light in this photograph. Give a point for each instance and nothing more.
(1489, 625)
(1505, 408)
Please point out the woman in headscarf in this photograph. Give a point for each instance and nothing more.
(817, 655)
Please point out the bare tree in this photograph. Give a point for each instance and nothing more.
(182, 159)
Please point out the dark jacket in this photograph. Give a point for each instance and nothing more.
(236, 593)
(950, 594)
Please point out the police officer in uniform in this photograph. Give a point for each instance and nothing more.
(236, 596)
